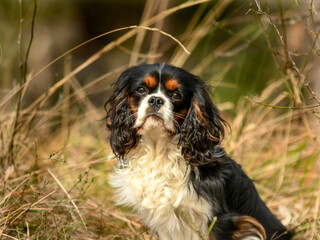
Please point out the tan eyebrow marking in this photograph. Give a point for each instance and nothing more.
(150, 81)
(172, 84)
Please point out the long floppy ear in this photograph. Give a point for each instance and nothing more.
(119, 118)
(202, 130)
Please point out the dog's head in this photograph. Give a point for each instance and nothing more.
(161, 99)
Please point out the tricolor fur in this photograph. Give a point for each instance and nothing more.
(166, 134)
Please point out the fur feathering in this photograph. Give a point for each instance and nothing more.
(155, 182)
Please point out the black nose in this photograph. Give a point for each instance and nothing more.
(156, 102)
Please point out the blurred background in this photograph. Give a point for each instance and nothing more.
(226, 37)
(58, 60)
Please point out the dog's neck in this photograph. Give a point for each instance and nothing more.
(157, 169)
(156, 182)
(157, 145)
(153, 135)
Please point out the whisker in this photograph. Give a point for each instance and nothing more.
(130, 117)
(179, 115)
(176, 124)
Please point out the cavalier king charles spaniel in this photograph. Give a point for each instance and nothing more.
(171, 169)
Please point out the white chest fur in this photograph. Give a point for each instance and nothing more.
(155, 182)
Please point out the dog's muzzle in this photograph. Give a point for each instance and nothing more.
(155, 104)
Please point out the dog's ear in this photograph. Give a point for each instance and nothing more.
(120, 119)
(202, 130)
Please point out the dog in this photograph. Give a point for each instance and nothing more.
(171, 169)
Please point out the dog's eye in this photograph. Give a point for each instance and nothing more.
(176, 96)
(141, 90)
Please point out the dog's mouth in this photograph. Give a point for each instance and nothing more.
(155, 118)
(154, 121)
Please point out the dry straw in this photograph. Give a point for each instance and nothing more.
(57, 187)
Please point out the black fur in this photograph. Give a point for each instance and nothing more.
(214, 176)
(119, 119)
(236, 194)
(198, 137)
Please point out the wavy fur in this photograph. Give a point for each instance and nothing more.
(120, 119)
(202, 130)
(171, 168)
(155, 182)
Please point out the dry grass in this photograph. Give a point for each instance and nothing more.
(54, 165)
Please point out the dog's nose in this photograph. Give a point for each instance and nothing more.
(156, 102)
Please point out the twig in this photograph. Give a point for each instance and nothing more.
(283, 107)
(147, 12)
(24, 212)
(156, 35)
(284, 38)
(95, 57)
(8, 236)
(23, 77)
(203, 28)
(29, 45)
(115, 214)
(210, 227)
(66, 192)
(239, 48)
(10, 151)
(289, 61)
(311, 51)
(109, 46)
(166, 34)
(30, 41)
(15, 189)
(140, 55)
